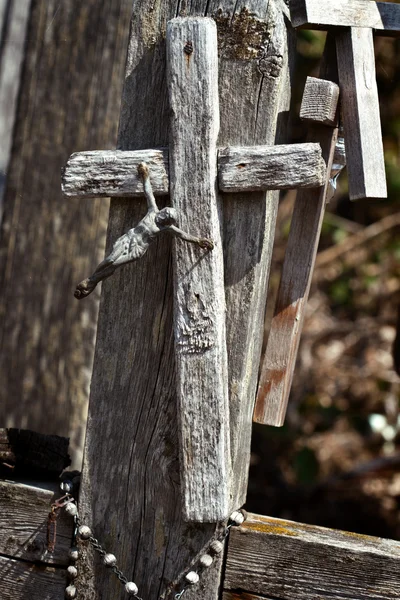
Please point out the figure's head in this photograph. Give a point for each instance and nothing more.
(166, 217)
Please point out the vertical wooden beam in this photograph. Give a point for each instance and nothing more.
(199, 303)
(130, 490)
(360, 112)
(283, 341)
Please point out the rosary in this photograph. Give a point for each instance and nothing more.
(84, 533)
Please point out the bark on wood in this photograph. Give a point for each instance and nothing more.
(32, 454)
(199, 294)
(291, 561)
(384, 17)
(360, 113)
(114, 172)
(108, 173)
(134, 368)
(283, 341)
(70, 94)
(320, 101)
(13, 23)
(24, 510)
(260, 168)
(20, 581)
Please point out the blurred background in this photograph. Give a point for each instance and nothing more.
(336, 462)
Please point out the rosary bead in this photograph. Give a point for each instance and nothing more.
(109, 560)
(66, 486)
(131, 588)
(72, 572)
(216, 547)
(206, 560)
(237, 517)
(192, 577)
(71, 509)
(85, 532)
(70, 591)
(74, 553)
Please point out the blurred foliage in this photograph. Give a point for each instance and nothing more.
(336, 462)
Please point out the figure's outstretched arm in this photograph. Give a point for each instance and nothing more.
(202, 242)
(143, 171)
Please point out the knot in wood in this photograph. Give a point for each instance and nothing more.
(271, 65)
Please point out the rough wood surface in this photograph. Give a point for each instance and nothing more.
(23, 523)
(133, 501)
(69, 100)
(384, 17)
(108, 173)
(199, 293)
(13, 23)
(24, 452)
(284, 336)
(23, 581)
(293, 561)
(360, 113)
(258, 168)
(320, 101)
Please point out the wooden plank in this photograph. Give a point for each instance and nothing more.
(23, 523)
(199, 302)
(24, 452)
(20, 580)
(293, 561)
(113, 173)
(320, 101)
(360, 113)
(384, 17)
(103, 173)
(258, 168)
(69, 100)
(284, 336)
(133, 384)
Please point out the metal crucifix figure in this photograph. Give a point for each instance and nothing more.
(134, 244)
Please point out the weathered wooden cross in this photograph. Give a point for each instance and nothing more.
(188, 171)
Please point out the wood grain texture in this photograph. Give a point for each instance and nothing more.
(199, 294)
(23, 523)
(69, 101)
(109, 173)
(384, 17)
(284, 560)
(284, 336)
(320, 101)
(23, 581)
(13, 24)
(258, 168)
(133, 501)
(360, 113)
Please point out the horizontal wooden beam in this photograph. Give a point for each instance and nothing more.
(113, 173)
(20, 580)
(258, 168)
(274, 558)
(384, 17)
(320, 101)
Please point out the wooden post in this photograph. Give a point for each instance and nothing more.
(130, 491)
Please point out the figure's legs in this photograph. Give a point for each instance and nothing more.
(86, 287)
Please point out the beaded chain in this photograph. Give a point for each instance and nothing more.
(84, 533)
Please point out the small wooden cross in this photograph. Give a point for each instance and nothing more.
(353, 23)
(189, 171)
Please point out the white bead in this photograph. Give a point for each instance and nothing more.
(216, 547)
(71, 509)
(192, 577)
(73, 553)
(237, 517)
(85, 532)
(66, 486)
(131, 588)
(70, 591)
(109, 560)
(206, 560)
(72, 572)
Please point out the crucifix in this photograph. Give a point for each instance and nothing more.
(191, 372)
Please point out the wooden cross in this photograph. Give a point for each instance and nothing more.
(188, 170)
